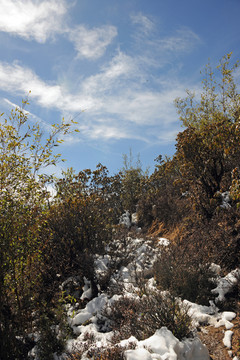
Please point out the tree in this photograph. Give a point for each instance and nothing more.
(81, 218)
(132, 182)
(208, 149)
(24, 152)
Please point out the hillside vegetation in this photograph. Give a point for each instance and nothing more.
(193, 199)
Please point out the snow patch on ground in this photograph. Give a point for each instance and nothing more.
(227, 340)
(209, 315)
(226, 284)
(92, 307)
(162, 345)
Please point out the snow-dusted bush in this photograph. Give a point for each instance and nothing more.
(141, 317)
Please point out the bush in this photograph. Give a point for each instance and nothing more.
(114, 352)
(133, 181)
(163, 200)
(208, 149)
(141, 317)
(49, 343)
(24, 151)
(222, 238)
(181, 271)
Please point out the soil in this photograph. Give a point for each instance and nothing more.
(213, 338)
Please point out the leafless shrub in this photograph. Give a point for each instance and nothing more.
(141, 317)
(180, 271)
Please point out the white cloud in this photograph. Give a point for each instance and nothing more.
(167, 135)
(114, 93)
(112, 76)
(92, 43)
(20, 80)
(103, 131)
(37, 20)
(42, 19)
(154, 47)
(183, 40)
(118, 91)
(109, 128)
(144, 108)
(123, 99)
(146, 24)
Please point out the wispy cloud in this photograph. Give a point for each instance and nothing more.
(119, 100)
(112, 75)
(182, 40)
(118, 109)
(103, 131)
(20, 80)
(146, 24)
(37, 20)
(92, 43)
(156, 48)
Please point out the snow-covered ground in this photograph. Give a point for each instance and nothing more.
(162, 345)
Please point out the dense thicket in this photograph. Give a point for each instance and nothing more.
(192, 197)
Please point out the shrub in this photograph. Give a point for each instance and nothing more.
(141, 317)
(181, 271)
(48, 343)
(222, 238)
(111, 352)
(133, 180)
(24, 152)
(163, 201)
(115, 352)
(208, 149)
(51, 325)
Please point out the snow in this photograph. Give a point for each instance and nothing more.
(101, 264)
(228, 339)
(215, 268)
(162, 342)
(201, 314)
(225, 319)
(162, 345)
(125, 219)
(163, 242)
(226, 284)
(209, 315)
(138, 354)
(93, 306)
(87, 289)
(225, 200)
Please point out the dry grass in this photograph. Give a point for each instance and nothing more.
(156, 229)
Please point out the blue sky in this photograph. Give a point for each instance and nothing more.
(114, 65)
